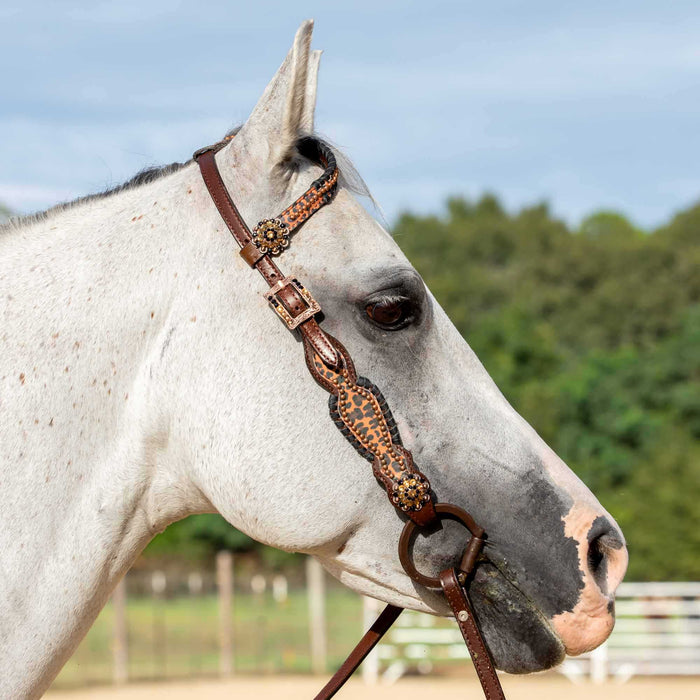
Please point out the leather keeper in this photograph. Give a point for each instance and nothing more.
(251, 253)
(320, 343)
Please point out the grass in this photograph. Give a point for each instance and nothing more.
(178, 637)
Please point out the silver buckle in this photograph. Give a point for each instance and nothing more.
(313, 307)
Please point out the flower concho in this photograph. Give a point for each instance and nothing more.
(411, 491)
(271, 236)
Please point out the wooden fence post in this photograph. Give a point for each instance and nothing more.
(224, 582)
(120, 640)
(317, 614)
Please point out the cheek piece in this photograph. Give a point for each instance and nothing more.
(358, 409)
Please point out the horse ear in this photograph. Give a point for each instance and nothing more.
(286, 109)
(307, 121)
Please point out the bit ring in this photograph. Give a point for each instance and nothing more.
(444, 511)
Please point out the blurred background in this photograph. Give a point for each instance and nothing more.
(537, 162)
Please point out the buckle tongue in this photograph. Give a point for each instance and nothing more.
(273, 298)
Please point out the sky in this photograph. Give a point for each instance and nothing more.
(587, 106)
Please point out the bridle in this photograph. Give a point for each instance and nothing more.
(357, 407)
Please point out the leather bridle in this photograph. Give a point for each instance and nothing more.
(357, 408)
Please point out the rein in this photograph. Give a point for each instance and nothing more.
(357, 408)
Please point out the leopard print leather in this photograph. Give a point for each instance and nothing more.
(362, 415)
(321, 191)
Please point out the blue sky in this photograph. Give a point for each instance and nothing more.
(585, 105)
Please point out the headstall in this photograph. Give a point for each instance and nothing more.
(357, 407)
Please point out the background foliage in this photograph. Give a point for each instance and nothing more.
(594, 335)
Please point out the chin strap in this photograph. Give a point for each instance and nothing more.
(457, 597)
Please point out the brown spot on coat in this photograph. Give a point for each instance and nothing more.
(21, 377)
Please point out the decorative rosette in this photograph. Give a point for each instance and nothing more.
(271, 236)
(411, 492)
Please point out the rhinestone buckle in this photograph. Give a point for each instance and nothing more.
(312, 306)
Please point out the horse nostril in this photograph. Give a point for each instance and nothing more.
(597, 563)
(604, 541)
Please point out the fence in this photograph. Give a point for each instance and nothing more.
(221, 621)
(657, 633)
(229, 620)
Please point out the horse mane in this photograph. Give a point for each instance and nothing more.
(349, 178)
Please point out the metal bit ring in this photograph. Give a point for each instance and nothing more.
(443, 510)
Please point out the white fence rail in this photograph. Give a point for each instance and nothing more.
(657, 633)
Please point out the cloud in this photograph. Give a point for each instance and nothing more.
(581, 104)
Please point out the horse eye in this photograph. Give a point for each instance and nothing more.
(390, 314)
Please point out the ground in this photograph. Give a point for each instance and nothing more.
(546, 687)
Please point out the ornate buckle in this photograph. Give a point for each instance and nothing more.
(312, 306)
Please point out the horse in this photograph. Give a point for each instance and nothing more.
(143, 378)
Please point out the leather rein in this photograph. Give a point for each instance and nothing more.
(357, 408)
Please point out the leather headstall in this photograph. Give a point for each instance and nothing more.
(357, 408)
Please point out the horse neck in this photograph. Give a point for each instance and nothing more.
(90, 296)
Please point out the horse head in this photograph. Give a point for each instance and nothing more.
(277, 468)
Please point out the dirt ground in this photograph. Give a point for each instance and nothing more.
(303, 688)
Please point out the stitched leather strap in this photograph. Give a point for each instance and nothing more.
(358, 654)
(293, 302)
(362, 415)
(458, 599)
